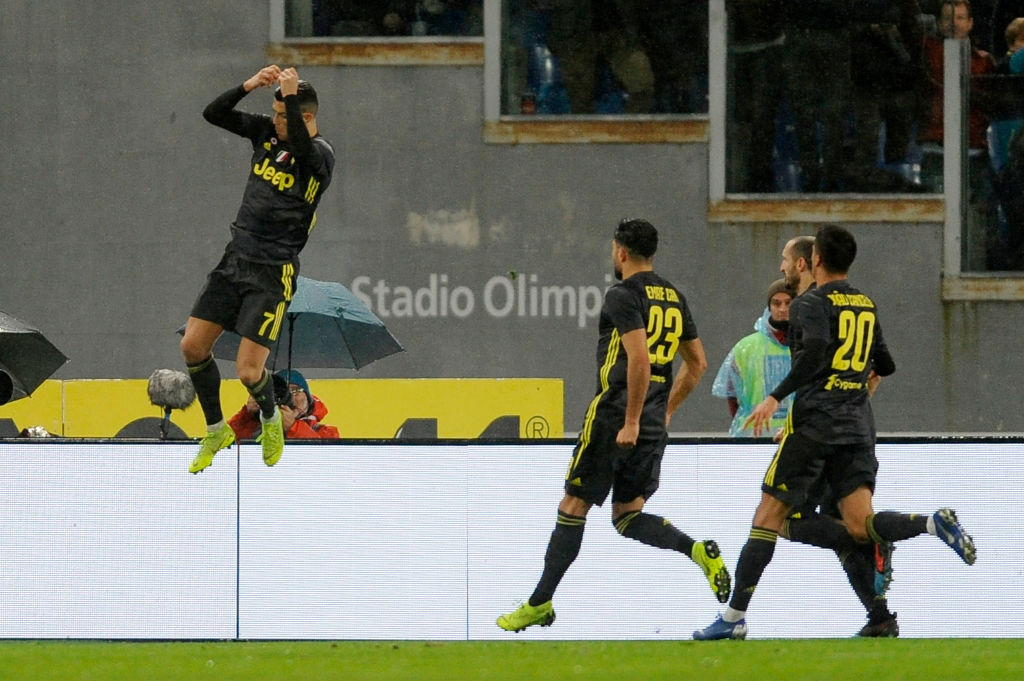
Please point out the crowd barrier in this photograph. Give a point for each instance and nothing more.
(433, 541)
(508, 408)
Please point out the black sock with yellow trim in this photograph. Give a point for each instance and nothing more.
(754, 558)
(206, 380)
(563, 547)
(893, 526)
(819, 530)
(653, 530)
(263, 393)
(859, 566)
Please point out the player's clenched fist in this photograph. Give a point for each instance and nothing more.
(266, 76)
(289, 80)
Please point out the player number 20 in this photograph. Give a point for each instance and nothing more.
(857, 332)
(664, 329)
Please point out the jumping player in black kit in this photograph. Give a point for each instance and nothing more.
(836, 342)
(644, 322)
(249, 290)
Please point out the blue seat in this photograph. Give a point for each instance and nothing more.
(543, 72)
(999, 135)
(544, 78)
(910, 167)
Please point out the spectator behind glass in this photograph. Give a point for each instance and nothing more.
(592, 37)
(1008, 253)
(674, 35)
(1013, 60)
(756, 40)
(757, 364)
(451, 17)
(391, 18)
(816, 67)
(954, 21)
(1004, 12)
(301, 411)
(889, 77)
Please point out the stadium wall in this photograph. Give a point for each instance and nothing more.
(485, 260)
(370, 541)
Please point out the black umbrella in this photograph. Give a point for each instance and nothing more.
(26, 359)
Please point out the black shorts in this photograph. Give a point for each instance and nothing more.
(249, 298)
(599, 465)
(801, 466)
(820, 499)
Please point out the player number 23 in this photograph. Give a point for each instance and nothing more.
(664, 328)
(857, 333)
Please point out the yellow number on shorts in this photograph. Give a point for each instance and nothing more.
(268, 319)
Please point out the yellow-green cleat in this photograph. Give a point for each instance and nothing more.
(211, 443)
(272, 439)
(709, 558)
(527, 615)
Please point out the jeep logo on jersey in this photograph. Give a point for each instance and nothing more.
(274, 176)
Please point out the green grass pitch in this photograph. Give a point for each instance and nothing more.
(760, 660)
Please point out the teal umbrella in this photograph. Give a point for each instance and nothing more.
(326, 327)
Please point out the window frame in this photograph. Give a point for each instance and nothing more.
(958, 285)
(369, 50)
(731, 207)
(502, 128)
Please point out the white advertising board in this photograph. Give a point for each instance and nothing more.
(115, 541)
(371, 541)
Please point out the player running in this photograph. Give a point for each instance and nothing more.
(644, 323)
(836, 342)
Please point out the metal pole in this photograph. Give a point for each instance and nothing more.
(291, 334)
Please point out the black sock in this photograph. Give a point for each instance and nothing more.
(893, 526)
(563, 547)
(819, 530)
(880, 613)
(754, 558)
(859, 566)
(263, 393)
(653, 530)
(206, 380)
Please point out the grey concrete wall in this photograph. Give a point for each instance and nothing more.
(117, 198)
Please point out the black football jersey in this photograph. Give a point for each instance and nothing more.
(834, 407)
(285, 181)
(643, 301)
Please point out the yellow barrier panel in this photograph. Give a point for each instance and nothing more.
(101, 408)
(359, 408)
(462, 407)
(42, 408)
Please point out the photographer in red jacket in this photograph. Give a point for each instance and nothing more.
(301, 411)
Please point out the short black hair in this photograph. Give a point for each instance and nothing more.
(638, 236)
(837, 248)
(308, 101)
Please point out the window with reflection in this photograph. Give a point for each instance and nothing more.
(991, 235)
(847, 97)
(826, 96)
(585, 57)
(383, 18)
(995, 221)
